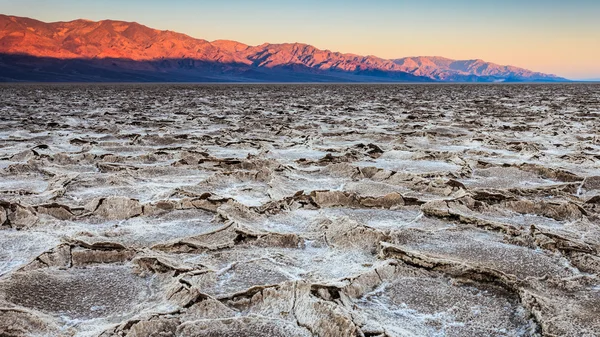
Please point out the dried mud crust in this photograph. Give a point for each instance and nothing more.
(274, 210)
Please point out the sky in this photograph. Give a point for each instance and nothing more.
(551, 36)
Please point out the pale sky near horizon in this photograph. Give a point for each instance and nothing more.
(559, 37)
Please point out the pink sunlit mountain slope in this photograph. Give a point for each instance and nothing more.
(82, 50)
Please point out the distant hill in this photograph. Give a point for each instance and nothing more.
(443, 69)
(83, 50)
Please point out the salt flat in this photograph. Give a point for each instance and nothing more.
(299, 210)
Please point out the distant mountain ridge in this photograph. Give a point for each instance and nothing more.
(108, 50)
(444, 69)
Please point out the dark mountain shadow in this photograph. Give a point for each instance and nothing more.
(26, 68)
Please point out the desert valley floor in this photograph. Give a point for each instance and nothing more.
(300, 210)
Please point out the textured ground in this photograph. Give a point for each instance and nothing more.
(271, 210)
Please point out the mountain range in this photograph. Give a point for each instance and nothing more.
(83, 50)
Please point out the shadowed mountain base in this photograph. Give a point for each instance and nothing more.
(25, 68)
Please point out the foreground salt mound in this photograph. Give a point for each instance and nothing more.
(81, 293)
(299, 211)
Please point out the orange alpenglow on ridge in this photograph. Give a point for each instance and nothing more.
(90, 40)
